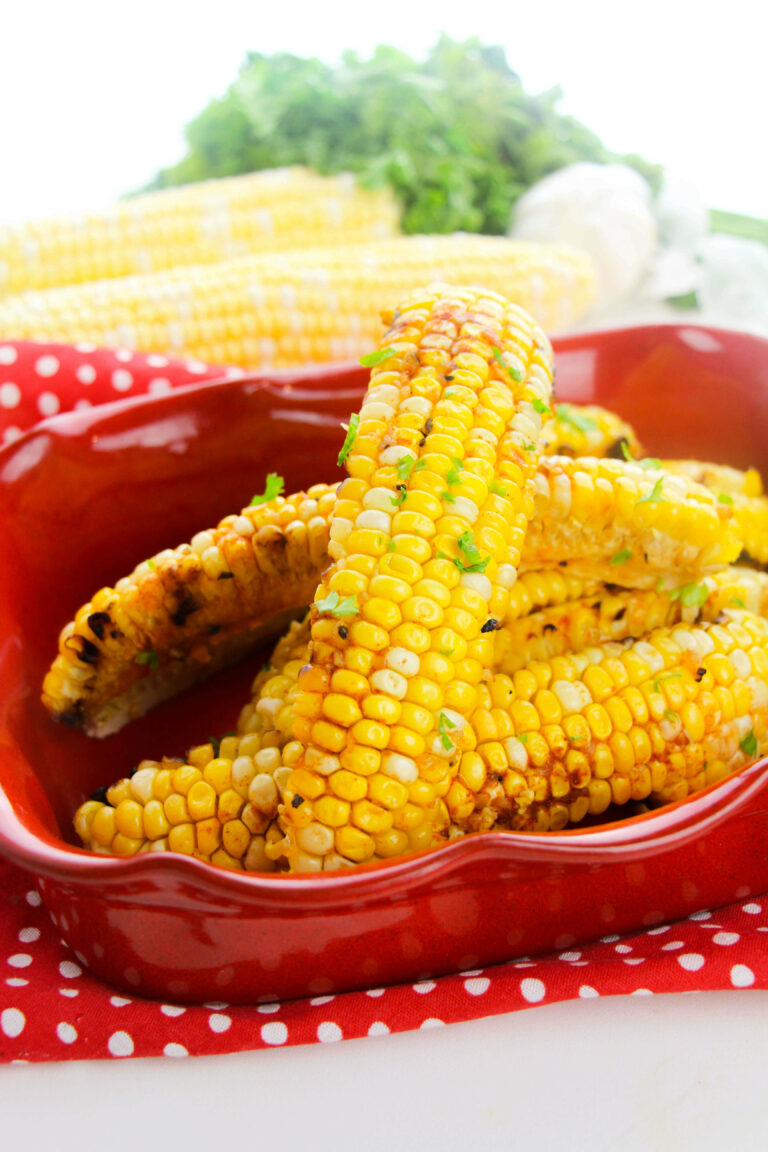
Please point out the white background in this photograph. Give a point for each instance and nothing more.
(94, 95)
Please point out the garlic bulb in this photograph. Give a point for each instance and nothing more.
(602, 208)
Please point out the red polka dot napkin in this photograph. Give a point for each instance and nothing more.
(52, 1009)
(39, 380)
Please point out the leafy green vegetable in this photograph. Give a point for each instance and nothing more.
(455, 136)
(349, 439)
(274, 486)
(337, 607)
(371, 359)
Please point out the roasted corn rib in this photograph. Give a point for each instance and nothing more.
(588, 430)
(177, 618)
(743, 493)
(218, 804)
(188, 612)
(426, 538)
(621, 522)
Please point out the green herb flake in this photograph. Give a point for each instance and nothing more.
(349, 439)
(737, 602)
(670, 715)
(371, 359)
(151, 564)
(626, 453)
(541, 407)
(650, 463)
(497, 489)
(448, 497)
(621, 557)
(749, 744)
(472, 561)
(391, 546)
(690, 595)
(669, 676)
(724, 498)
(523, 737)
(337, 607)
(406, 465)
(396, 501)
(530, 447)
(443, 724)
(566, 414)
(514, 373)
(654, 496)
(274, 487)
(149, 658)
(447, 652)
(452, 475)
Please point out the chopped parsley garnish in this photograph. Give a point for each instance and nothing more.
(724, 498)
(450, 392)
(337, 607)
(274, 486)
(530, 447)
(749, 744)
(650, 463)
(514, 373)
(523, 737)
(406, 465)
(371, 359)
(655, 496)
(690, 595)
(497, 489)
(447, 652)
(568, 415)
(472, 561)
(443, 724)
(149, 658)
(737, 602)
(448, 497)
(391, 546)
(401, 495)
(349, 439)
(669, 676)
(621, 557)
(541, 407)
(452, 475)
(670, 715)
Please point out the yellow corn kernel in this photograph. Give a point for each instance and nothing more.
(129, 819)
(361, 761)
(230, 805)
(371, 734)
(208, 836)
(382, 709)
(200, 756)
(472, 771)
(406, 742)
(120, 792)
(236, 838)
(393, 842)
(355, 844)
(181, 839)
(332, 811)
(358, 660)
(218, 773)
(341, 710)
(386, 792)
(201, 801)
(328, 736)
(183, 778)
(349, 683)
(175, 808)
(103, 826)
(348, 785)
(413, 637)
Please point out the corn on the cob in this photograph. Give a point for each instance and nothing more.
(188, 612)
(218, 804)
(623, 523)
(201, 223)
(425, 543)
(284, 309)
(658, 718)
(588, 430)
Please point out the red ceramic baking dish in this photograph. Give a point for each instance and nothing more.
(87, 495)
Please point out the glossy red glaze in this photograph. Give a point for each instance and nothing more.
(85, 496)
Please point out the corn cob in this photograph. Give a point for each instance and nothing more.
(627, 524)
(658, 719)
(218, 804)
(588, 430)
(188, 612)
(284, 309)
(201, 223)
(425, 543)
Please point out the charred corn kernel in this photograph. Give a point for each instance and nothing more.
(587, 430)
